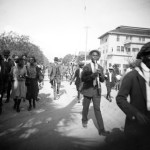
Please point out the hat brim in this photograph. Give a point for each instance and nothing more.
(94, 51)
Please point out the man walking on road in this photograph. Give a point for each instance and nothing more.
(136, 84)
(55, 77)
(92, 75)
(77, 78)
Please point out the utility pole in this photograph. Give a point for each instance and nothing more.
(86, 41)
(86, 30)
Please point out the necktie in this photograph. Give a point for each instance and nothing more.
(80, 71)
(94, 81)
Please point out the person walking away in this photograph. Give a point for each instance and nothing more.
(118, 78)
(19, 74)
(136, 85)
(78, 81)
(92, 75)
(110, 82)
(55, 77)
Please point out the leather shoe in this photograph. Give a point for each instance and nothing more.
(104, 133)
(84, 124)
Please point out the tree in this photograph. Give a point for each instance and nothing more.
(67, 59)
(20, 44)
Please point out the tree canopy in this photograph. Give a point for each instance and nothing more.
(21, 45)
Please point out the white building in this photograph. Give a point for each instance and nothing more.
(121, 45)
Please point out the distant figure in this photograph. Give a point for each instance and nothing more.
(136, 85)
(92, 75)
(110, 82)
(118, 79)
(78, 81)
(55, 77)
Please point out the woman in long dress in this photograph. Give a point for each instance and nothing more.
(19, 73)
(33, 77)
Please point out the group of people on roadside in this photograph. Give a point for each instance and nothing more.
(19, 79)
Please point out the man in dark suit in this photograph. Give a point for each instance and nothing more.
(136, 85)
(77, 78)
(7, 65)
(92, 75)
(55, 76)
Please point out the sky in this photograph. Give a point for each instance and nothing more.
(61, 27)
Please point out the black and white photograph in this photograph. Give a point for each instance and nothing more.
(74, 74)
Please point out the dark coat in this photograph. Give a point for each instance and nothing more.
(133, 85)
(77, 78)
(87, 79)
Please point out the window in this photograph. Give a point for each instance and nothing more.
(118, 65)
(122, 49)
(125, 66)
(118, 38)
(127, 37)
(128, 50)
(130, 37)
(143, 39)
(118, 48)
(135, 49)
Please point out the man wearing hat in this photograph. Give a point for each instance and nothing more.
(7, 65)
(110, 82)
(92, 75)
(55, 76)
(136, 85)
(77, 78)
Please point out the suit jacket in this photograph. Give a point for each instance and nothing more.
(55, 72)
(133, 85)
(77, 77)
(87, 79)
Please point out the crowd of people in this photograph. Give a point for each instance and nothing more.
(20, 76)
(133, 96)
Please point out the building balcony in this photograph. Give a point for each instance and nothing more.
(129, 42)
(122, 54)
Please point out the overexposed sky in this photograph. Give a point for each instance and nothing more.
(58, 26)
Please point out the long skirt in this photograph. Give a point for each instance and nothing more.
(32, 89)
(18, 89)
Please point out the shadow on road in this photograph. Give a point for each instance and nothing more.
(46, 127)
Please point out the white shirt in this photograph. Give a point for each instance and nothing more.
(146, 75)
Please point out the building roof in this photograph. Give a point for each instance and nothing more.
(127, 30)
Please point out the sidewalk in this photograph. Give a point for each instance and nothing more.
(56, 124)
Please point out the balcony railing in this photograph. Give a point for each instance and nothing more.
(128, 41)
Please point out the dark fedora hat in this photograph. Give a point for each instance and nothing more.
(95, 50)
(6, 52)
(111, 68)
(144, 51)
(81, 64)
(56, 59)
